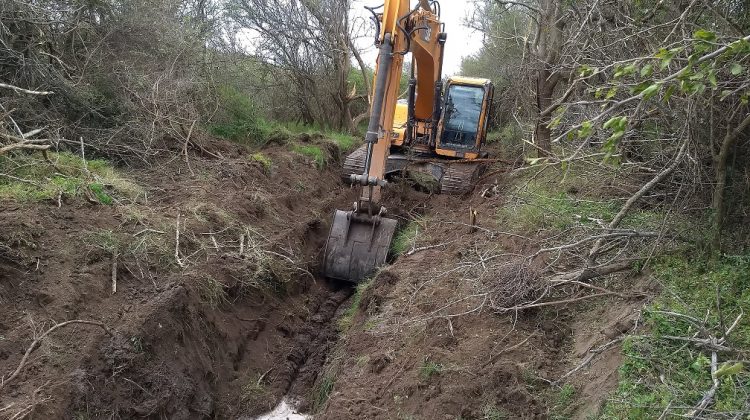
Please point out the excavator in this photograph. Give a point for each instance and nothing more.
(438, 131)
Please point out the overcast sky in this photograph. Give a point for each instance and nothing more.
(461, 42)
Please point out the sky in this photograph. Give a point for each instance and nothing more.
(461, 42)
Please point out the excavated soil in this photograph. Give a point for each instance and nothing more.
(222, 335)
(236, 317)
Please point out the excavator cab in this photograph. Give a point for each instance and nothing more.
(465, 117)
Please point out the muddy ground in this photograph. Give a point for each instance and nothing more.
(220, 311)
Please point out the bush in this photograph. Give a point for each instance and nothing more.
(240, 121)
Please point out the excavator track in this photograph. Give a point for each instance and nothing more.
(460, 178)
(454, 178)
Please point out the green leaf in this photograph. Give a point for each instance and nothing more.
(611, 93)
(728, 370)
(622, 124)
(611, 123)
(736, 69)
(647, 70)
(668, 93)
(586, 129)
(712, 78)
(585, 71)
(599, 92)
(650, 91)
(704, 35)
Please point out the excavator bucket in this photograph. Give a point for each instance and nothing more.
(357, 245)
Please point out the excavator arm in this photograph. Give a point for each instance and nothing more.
(360, 239)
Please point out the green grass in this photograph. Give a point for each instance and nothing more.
(658, 372)
(345, 142)
(239, 119)
(347, 318)
(429, 369)
(563, 400)
(406, 237)
(314, 152)
(323, 391)
(552, 203)
(492, 412)
(264, 161)
(537, 207)
(33, 179)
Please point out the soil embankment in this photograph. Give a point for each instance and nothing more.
(218, 306)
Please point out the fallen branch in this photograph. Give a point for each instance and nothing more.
(637, 196)
(177, 244)
(38, 341)
(425, 248)
(552, 303)
(589, 358)
(114, 273)
(26, 91)
(589, 273)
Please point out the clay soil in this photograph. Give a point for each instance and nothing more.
(212, 332)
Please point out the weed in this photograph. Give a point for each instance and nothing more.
(658, 372)
(492, 412)
(137, 343)
(361, 360)
(300, 187)
(561, 410)
(406, 238)
(540, 208)
(264, 161)
(254, 392)
(211, 291)
(346, 320)
(429, 369)
(323, 390)
(240, 121)
(344, 141)
(101, 196)
(313, 152)
(565, 396)
(81, 415)
(106, 240)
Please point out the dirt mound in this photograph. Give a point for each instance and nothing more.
(429, 338)
(216, 290)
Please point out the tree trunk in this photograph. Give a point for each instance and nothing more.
(719, 205)
(542, 134)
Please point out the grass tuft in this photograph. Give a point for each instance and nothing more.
(29, 178)
(347, 318)
(429, 369)
(264, 161)
(323, 391)
(406, 238)
(314, 152)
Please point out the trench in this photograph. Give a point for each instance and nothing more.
(311, 345)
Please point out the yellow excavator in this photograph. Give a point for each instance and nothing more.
(439, 130)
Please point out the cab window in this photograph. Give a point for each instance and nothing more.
(463, 108)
